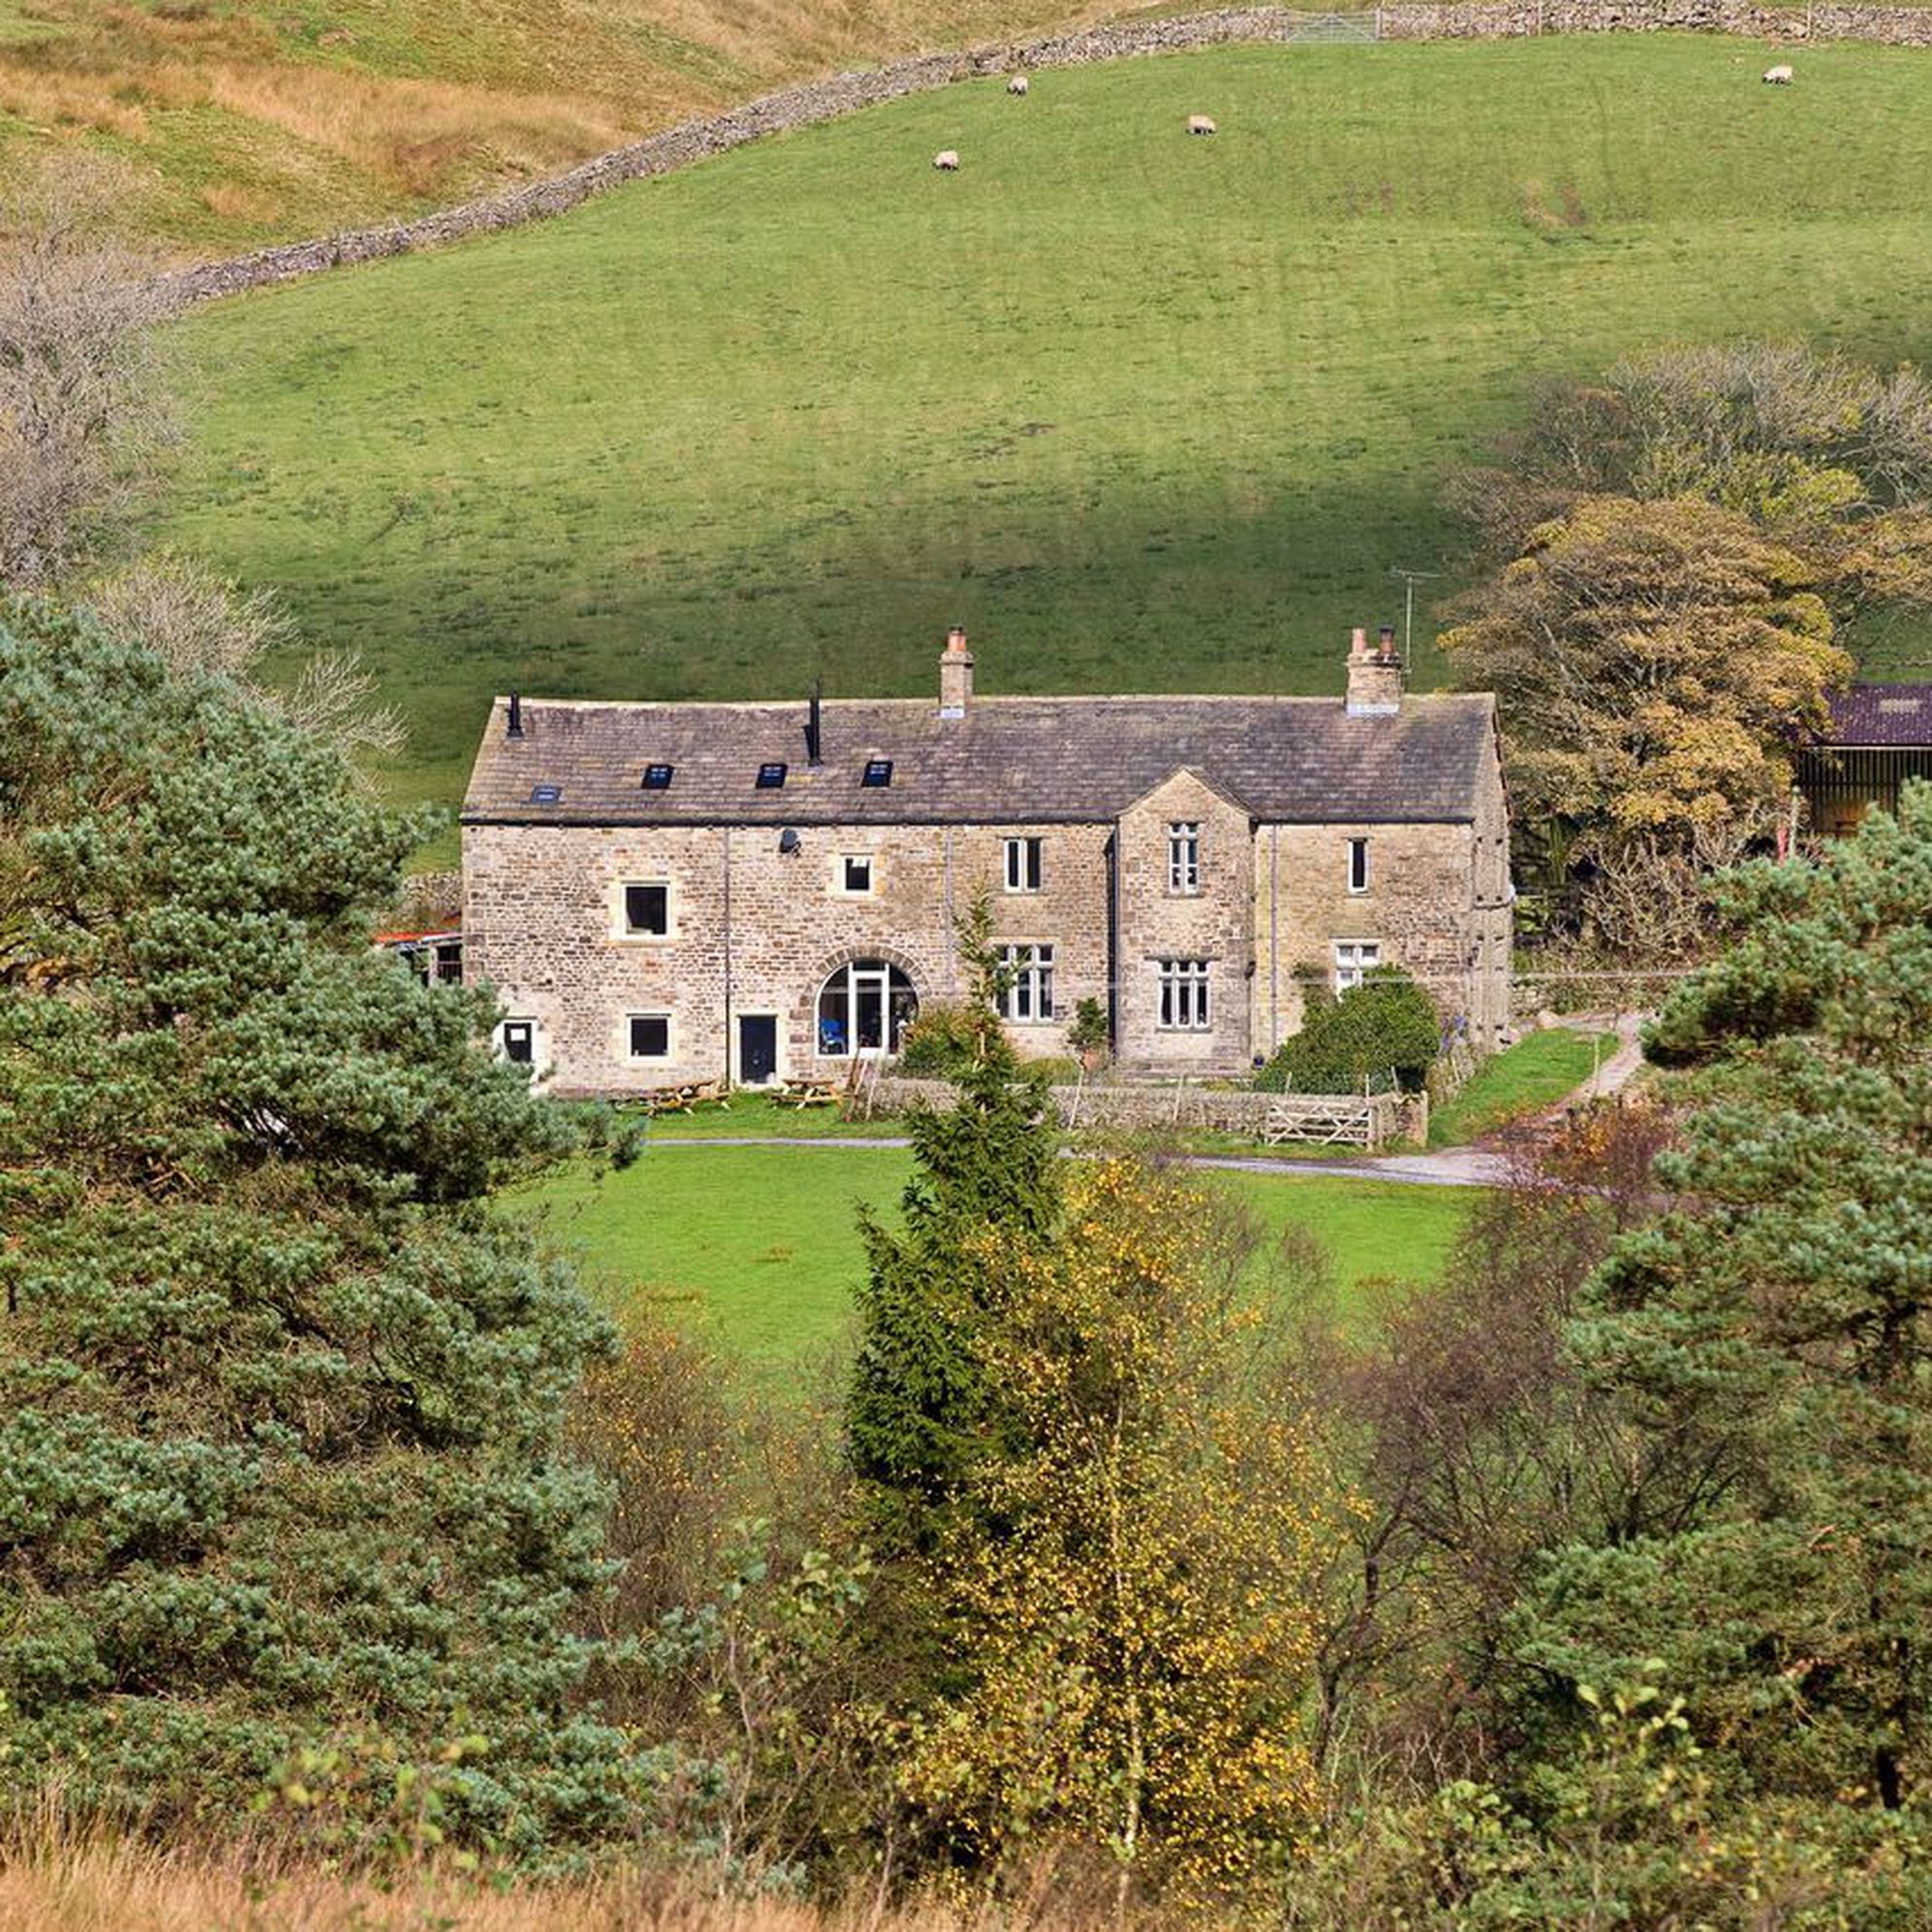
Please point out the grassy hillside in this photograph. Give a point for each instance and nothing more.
(1142, 411)
(245, 121)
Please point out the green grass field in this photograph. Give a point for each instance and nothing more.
(757, 1249)
(1142, 411)
(1534, 1074)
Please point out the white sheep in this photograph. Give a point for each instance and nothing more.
(1018, 84)
(1778, 77)
(947, 160)
(1199, 123)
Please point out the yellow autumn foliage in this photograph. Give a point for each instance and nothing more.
(1137, 1591)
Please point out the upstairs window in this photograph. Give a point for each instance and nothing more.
(1023, 864)
(647, 909)
(855, 874)
(1358, 865)
(1355, 959)
(1027, 994)
(1184, 855)
(877, 773)
(772, 778)
(1183, 996)
(657, 779)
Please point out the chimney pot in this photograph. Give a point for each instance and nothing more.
(955, 674)
(1374, 677)
(515, 726)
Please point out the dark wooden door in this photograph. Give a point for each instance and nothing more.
(757, 1048)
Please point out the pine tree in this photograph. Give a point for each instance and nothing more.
(280, 1393)
(1769, 1346)
(919, 1413)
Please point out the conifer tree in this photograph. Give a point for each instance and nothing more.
(1769, 1344)
(280, 1393)
(919, 1413)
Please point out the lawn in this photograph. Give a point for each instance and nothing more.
(757, 1248)
(1534, 1074)
(1142, 412)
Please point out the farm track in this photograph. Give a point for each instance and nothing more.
(1445, 1167)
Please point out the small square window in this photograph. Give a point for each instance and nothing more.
(650, 1036)
(855, 874)
(1355, 960)
(657, 779)
(547, 794)
(520, 1042)
(647, 909)
(772, 778)
(877, 773)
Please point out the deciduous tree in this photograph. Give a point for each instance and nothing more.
(1655, 663)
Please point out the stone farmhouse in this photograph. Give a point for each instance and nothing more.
(672, 892)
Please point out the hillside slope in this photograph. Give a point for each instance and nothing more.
(245, 121)
(1142, 411)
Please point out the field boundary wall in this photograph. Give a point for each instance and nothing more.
(1153, 1106)
(841, 94)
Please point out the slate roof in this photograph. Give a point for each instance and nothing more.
(1882, 715)
(1009, 761)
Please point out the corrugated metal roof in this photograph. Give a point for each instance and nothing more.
(1009, 760)
(1882, 715)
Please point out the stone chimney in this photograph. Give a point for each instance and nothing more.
(1374, 674)
(956, 675)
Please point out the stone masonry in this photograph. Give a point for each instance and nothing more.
(1317, 828)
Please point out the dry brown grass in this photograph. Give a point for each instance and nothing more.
(55, 1880)
(395, 104)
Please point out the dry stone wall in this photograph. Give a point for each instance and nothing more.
(847, 94)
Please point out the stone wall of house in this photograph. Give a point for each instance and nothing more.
(1492, 923)
(847, 94)
(1415, 909)
(1215, 923)
(753, 930)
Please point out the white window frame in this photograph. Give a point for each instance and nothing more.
(842, 875)
(642, 935)
(1355, 959)
(1185, 1002)
(1025, 863)
(1027, 997)
(1184, 857)
(637, 1059)
(1358, 865)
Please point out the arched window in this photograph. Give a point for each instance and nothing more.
(864, 1008)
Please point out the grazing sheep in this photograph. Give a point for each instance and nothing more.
(1199, 123)
(947, 161)
(1778, 77)
(1018, 84)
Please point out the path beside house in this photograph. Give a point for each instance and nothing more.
(1447, 1167)
(1615, 1073)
